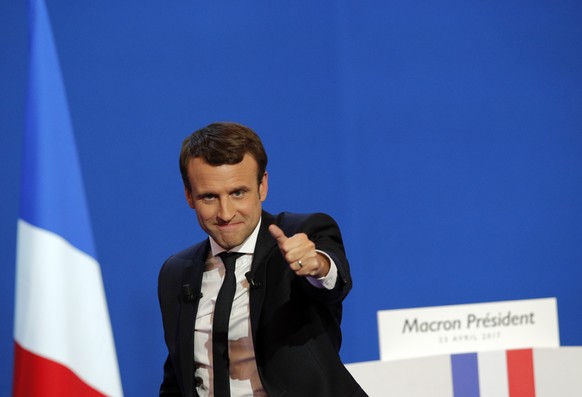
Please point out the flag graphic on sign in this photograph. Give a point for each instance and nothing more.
(63, 338)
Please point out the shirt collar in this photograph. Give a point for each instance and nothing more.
(247, 247)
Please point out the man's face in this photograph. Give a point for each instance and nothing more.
(227, 199)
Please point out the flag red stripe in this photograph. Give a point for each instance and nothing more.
(38, 376)
(520, 373)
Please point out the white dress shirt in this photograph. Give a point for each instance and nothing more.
(244, 376)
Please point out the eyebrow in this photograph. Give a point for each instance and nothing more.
(235, 189)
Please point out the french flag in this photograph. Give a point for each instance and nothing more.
(63, 339)
(494, 374)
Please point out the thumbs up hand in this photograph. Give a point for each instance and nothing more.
(299, 252)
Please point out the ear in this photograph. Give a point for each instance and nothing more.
(264, 187)
(189, 197)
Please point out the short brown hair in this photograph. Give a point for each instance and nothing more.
(222, 143)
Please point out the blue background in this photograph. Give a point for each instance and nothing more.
(445, 138)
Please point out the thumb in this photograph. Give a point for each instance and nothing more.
(277, 234)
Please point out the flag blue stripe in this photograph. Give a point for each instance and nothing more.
(52, 192)
(465, 375)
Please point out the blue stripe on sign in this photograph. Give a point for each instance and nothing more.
(465, 375)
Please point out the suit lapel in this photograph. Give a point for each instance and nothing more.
(192, 275)
(263, 251)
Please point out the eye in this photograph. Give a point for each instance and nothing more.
(238, 193)
(208, 197)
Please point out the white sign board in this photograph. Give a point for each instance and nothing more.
(408, 333)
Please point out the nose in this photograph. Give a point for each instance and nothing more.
(225, 210)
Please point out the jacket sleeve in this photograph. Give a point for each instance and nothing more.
(325, 233)
(169, 386)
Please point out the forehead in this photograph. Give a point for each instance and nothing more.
(206, 177)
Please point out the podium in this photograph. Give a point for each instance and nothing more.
(538, 372)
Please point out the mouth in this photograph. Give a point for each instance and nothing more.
(227, 227)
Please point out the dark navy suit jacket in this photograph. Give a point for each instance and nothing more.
(295, 326)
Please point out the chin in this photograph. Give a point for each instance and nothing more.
(227, 245)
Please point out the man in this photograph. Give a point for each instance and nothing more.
(281, 334)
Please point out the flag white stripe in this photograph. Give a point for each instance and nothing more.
(61, 305)
(493, 381)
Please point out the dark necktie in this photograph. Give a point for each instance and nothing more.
(220, 326)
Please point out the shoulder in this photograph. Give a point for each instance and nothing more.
(191, 252)
(293, 223)
(177, 262)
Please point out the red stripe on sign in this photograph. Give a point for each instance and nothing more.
(520, 373)
(37, 376)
